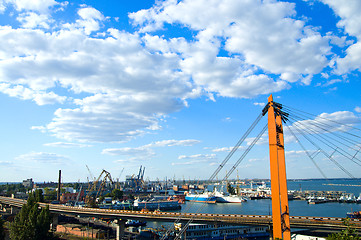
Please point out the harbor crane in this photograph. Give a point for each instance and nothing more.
(90, 195)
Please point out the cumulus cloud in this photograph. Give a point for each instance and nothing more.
(33, 5)
(129, 87)
(40, 97)
(358, 109)
(349, 12)
(90, 20)
(290, 48)
(122, 83)
(34, 20)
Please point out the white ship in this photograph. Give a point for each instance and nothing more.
(227, 198)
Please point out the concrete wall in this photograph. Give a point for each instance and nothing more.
(78, 230)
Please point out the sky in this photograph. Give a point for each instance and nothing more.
(169, 85)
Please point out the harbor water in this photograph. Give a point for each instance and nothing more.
(297, 207)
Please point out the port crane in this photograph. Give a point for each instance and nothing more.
(90, 195)
(138, 181)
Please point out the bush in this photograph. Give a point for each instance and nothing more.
(348, 234)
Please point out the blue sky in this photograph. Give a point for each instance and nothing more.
(169, 85)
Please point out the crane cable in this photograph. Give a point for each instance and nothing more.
(230, 154)
(307, 153)
(331, 132)
(226, 177)
(329, 143)
(328, 156)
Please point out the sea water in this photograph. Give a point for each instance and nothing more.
(297, 207)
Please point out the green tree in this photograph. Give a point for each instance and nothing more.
(50, 194)
(117, 194)
(2, 230)
(31, 223)
(39, 197)
(231, 189)
(348, 234)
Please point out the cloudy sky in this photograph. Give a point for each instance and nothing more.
(170, 85)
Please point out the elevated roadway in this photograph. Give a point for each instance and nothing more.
(320, 223)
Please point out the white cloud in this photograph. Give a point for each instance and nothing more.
(90, 19)
(170, 143)
(358, 109)
(146, 152)
(259, 104)
(33, 5)
(295, 152)
(349, 12)
(6, 163)
(42, 157)
(261, 141)
(40, 97)
(227, 119)
(290, 49)
(126, 151)
(327, 122)
(352, 60)
(2, 7)
(132, 154)
(128, 88)
(208, 159)
(198, 156)
(66, 145)
(34, 20)
(223, 149)
(331, 82)
(130, 81)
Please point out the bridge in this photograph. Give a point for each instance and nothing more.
(324, 223)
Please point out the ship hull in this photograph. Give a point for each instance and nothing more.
(200, 198)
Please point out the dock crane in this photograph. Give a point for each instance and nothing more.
(90, 198)
(137, 181)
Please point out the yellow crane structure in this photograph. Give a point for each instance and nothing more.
(107, 176)
(280, 209)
